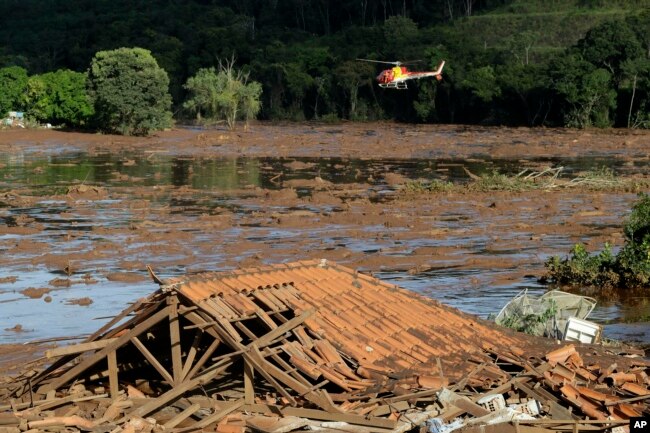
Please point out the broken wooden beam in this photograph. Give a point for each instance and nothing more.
(322, 415)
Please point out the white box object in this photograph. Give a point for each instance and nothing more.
(583, 331)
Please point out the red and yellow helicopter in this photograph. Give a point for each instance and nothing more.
(397, 76)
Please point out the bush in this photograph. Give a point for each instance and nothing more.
(129, 91)
(59, 97)
(630, 268)
(13, 82)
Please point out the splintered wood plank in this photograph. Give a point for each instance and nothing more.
(215, 417)
(249, 390)
(112, 374)
(175, 337)
(130, 309)
(191, 410)
(206, 326)
(247, 332)
(323, 415)
(285, 327)
(78, 348)
(558, 411)
(152, 360)
(96, 357)
(288, 368)
(191, 354)
(262, 369)
(269, 370)
(202, 360)
(177, 391)
(266, 318)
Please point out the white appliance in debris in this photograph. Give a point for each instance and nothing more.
(582, 331)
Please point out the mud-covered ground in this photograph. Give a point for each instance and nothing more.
(82, 215)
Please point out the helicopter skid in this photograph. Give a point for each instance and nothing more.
(399, 85)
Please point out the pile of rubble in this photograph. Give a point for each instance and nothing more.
(316, 346)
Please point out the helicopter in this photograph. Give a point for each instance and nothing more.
(397, 76)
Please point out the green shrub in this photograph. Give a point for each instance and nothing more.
(630, 268)
(223, 95)
(532, 323)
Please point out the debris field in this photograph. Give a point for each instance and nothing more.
(313, 345)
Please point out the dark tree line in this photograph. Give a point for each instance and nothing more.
(303, 53)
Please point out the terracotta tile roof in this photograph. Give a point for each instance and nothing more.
(380, 326)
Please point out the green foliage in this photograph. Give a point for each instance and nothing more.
(223, 95)
(586, 90)
(630, 268)
(352, 76)
(531, 323)
(58, 98)
(609, 45)
(483, 83)
(13, 82)
(584, 269)
(129, 92)
(634, 257)
(399, 33)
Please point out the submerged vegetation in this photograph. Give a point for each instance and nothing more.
(630, 268)
(527, 180)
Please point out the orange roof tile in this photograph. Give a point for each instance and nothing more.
(370, 321)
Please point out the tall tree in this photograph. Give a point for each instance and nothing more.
(129, 92)
(588, 91)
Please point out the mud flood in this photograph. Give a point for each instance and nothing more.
(82, 215)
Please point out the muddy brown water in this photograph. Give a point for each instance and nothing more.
(82, 215)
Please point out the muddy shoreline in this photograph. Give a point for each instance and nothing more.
(82, 215)
(349, 140)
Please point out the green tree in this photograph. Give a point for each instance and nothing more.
(483, 83)
(13, 82)
(59, 97)
(353, 75)
(587, 91)
(524, 94)
(609, 45)
(129, 92)
(223, 95)
(400, 34)
(637, 80)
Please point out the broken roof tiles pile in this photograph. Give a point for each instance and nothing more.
(301, 345)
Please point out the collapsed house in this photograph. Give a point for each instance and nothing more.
(315, 346)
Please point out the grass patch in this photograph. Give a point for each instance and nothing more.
(420, 186)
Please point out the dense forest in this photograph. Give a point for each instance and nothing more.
(511, 62)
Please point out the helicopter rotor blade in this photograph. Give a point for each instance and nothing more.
(381, 61)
